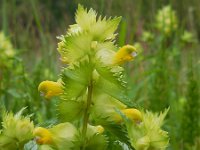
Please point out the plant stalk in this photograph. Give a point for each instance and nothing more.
(86, 113)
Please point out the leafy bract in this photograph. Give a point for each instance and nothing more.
(104, 108)
(93, 139)
(76, 79)
(88, 21)
(111, 81)
(70, 110)
(119, 132)
(85, 19)
(78, 41)
(148, 134)
(16, 131)
(63, 136)
(97, 142)
(75, 47)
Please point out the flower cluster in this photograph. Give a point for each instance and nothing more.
(148, 134)
(17, 130)
(6, 50)
(92, 88)
(166, 20)
(93, 101)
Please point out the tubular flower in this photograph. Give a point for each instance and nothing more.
(132, 114)
(60, 136)
(126, 53)
(43, 136)
(50, 89)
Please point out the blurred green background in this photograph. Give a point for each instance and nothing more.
(166, 73)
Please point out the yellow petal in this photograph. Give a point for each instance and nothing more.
(50, 88)
(43, 135)
(133, 114)
(124, 54)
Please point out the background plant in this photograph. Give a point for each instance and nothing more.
(33, 25)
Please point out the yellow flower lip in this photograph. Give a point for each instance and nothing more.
(131, 113)
(50, 88)
(42, 135)
(124, 54)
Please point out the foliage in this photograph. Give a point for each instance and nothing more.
(165, 72)
(88, 83)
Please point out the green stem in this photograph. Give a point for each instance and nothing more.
(86, 113)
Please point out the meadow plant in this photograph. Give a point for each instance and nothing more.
(17, 130)
(93, 91)
(191, 107)
(7, 52)
(93, 107)
(166, 20)
(169, 46)
(166, 44)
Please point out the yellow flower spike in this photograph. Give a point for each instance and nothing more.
(100, 129)
(126, 53)
(43, 136)
(50, 89)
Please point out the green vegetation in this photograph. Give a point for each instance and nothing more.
(165, 74)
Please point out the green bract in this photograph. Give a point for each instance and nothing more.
(6, 51)
(148, 134)
(89, 37)
(16, 131)
(93, 97)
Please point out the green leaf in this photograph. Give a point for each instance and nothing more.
(64, 135)
(104, 108)
(70, 110)
(75, 47)
(97, 142)
(101, 29)
(76, 79)
(118, 131)
(85, 19)
(112, 82)
(7, 143)
(105, 26)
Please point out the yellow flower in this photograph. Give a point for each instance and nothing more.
(59, 137)
(50, 89)
(126, 53)
(43, 136)
(132, 114)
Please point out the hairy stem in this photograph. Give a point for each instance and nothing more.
(86, 113)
